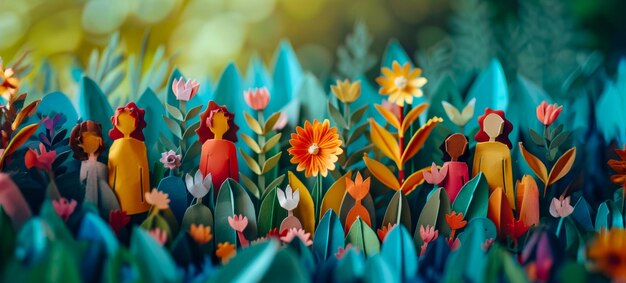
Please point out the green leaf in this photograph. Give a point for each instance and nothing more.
(328, 236)
(271, 162)
(173, 126)
(194, 150)
(167, 144)
(356, 116)
(250, 264)
(198, 214)
(253, 124)
(271, 121)
(399, 251)
(252, 144)
(7, 238)
(473, 199)
(271, 213)
(285, 267)
(231, 200)
(250, 185)
(154, 261)
(276, 183)
(433, 214)
(363, 238)
(537, 139)
(377, 269)
(358, 132)
(252, 164)
(336, 116)
(191, 130)
(271, 142)
(193, 112)
(559, 140)
(398, 211)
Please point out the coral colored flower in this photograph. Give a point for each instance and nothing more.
(315, 148)
(288, 199)
(561, 207)
(281, 122)
(516, 229)
(486, 245)
(170, 159)
(158, 199)
(257, 98)
(64, 208)
(159, 235)
(184, 91)
(297, 233)
(346, 91)
(547, 113)
(200, 233)
(41, 160)
(428, 233)
(401, 83)
(238, 222)
(392, 107)
(343, 251)
(435, 176)
(225, 251)
(383, 231)
(118, 219)
(197, 186)
(455, 221)
(619, 166)
(606, 251)
(358, 189)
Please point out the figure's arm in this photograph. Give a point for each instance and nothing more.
(83, 171)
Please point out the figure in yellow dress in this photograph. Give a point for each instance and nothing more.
(128, 160)
(493, 152)
(86, 142)
(218, 134)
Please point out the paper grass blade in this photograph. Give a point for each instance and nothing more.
(399, 251)
(398, 211)
(334, 196)
(329, 236)
(363, 238)
(434, 214)
(385, 141)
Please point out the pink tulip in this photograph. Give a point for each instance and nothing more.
(561, 207)
(436, 176)
(184, 91)
(64, 208)
(257, 98)
(547, 113)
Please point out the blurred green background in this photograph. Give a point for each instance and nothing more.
(202, 36)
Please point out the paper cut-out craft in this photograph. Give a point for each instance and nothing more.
(455, 154)
(128, 161)
(492, 155)
(218, 133)
(358, 190)
(87, 143)
(289, 200)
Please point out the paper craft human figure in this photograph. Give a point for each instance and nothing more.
(492, 155)
(218, 133)
(128, 160)
(358, 190)
(455, 153)
(87, 143)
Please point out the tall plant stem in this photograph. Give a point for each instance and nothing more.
(401, 171)
(261, 142)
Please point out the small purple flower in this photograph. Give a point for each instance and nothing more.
(170, 159)
(55, 122)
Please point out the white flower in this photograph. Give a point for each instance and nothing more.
(459, 118)
(288, 199)
(197, 186)
(561, 207)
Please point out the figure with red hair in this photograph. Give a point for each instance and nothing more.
(218, 133)
(492, 155)
(128, 159)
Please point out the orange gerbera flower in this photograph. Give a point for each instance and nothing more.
(619, 166)
(607, 253)
(315, 148)
(401, 83)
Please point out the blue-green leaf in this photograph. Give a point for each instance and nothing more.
(328, 236)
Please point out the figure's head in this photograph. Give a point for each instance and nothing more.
(494, 127)
(217, 122)
(86, 139)
(128, 121)
(455, 148)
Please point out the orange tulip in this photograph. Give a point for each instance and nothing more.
(547, 113)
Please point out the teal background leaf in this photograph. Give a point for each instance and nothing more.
(154, 261)
(399, 251)
(231, 200)
(490, 90)
(92, 104)
(329, 236)
(473, 199)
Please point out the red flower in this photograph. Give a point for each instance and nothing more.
(118, 219)
(547, 113)
(382, 232)
(516, 229)
(42, 160)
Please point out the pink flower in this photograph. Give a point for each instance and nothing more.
(486, 245)
(436, 176)
(561, 207)
(170, 159)
(428, 233)
(300, 233)
(184, 91)
(64, 208)
(547, 113)
(455, 245)
(238, 222)
(343, 251)
(392, 107)
(257, 98)
(42, 160)
(281, 122)
(159, 235)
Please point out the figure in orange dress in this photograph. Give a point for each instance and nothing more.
(492, 155)
(128, 160)
(218, 134)
(455, 153)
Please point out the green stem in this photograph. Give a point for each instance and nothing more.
(317, 197)
(558, 228)
(261, 141)
(183, 125)
(401, 171)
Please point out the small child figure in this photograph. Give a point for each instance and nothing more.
(455, 153)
